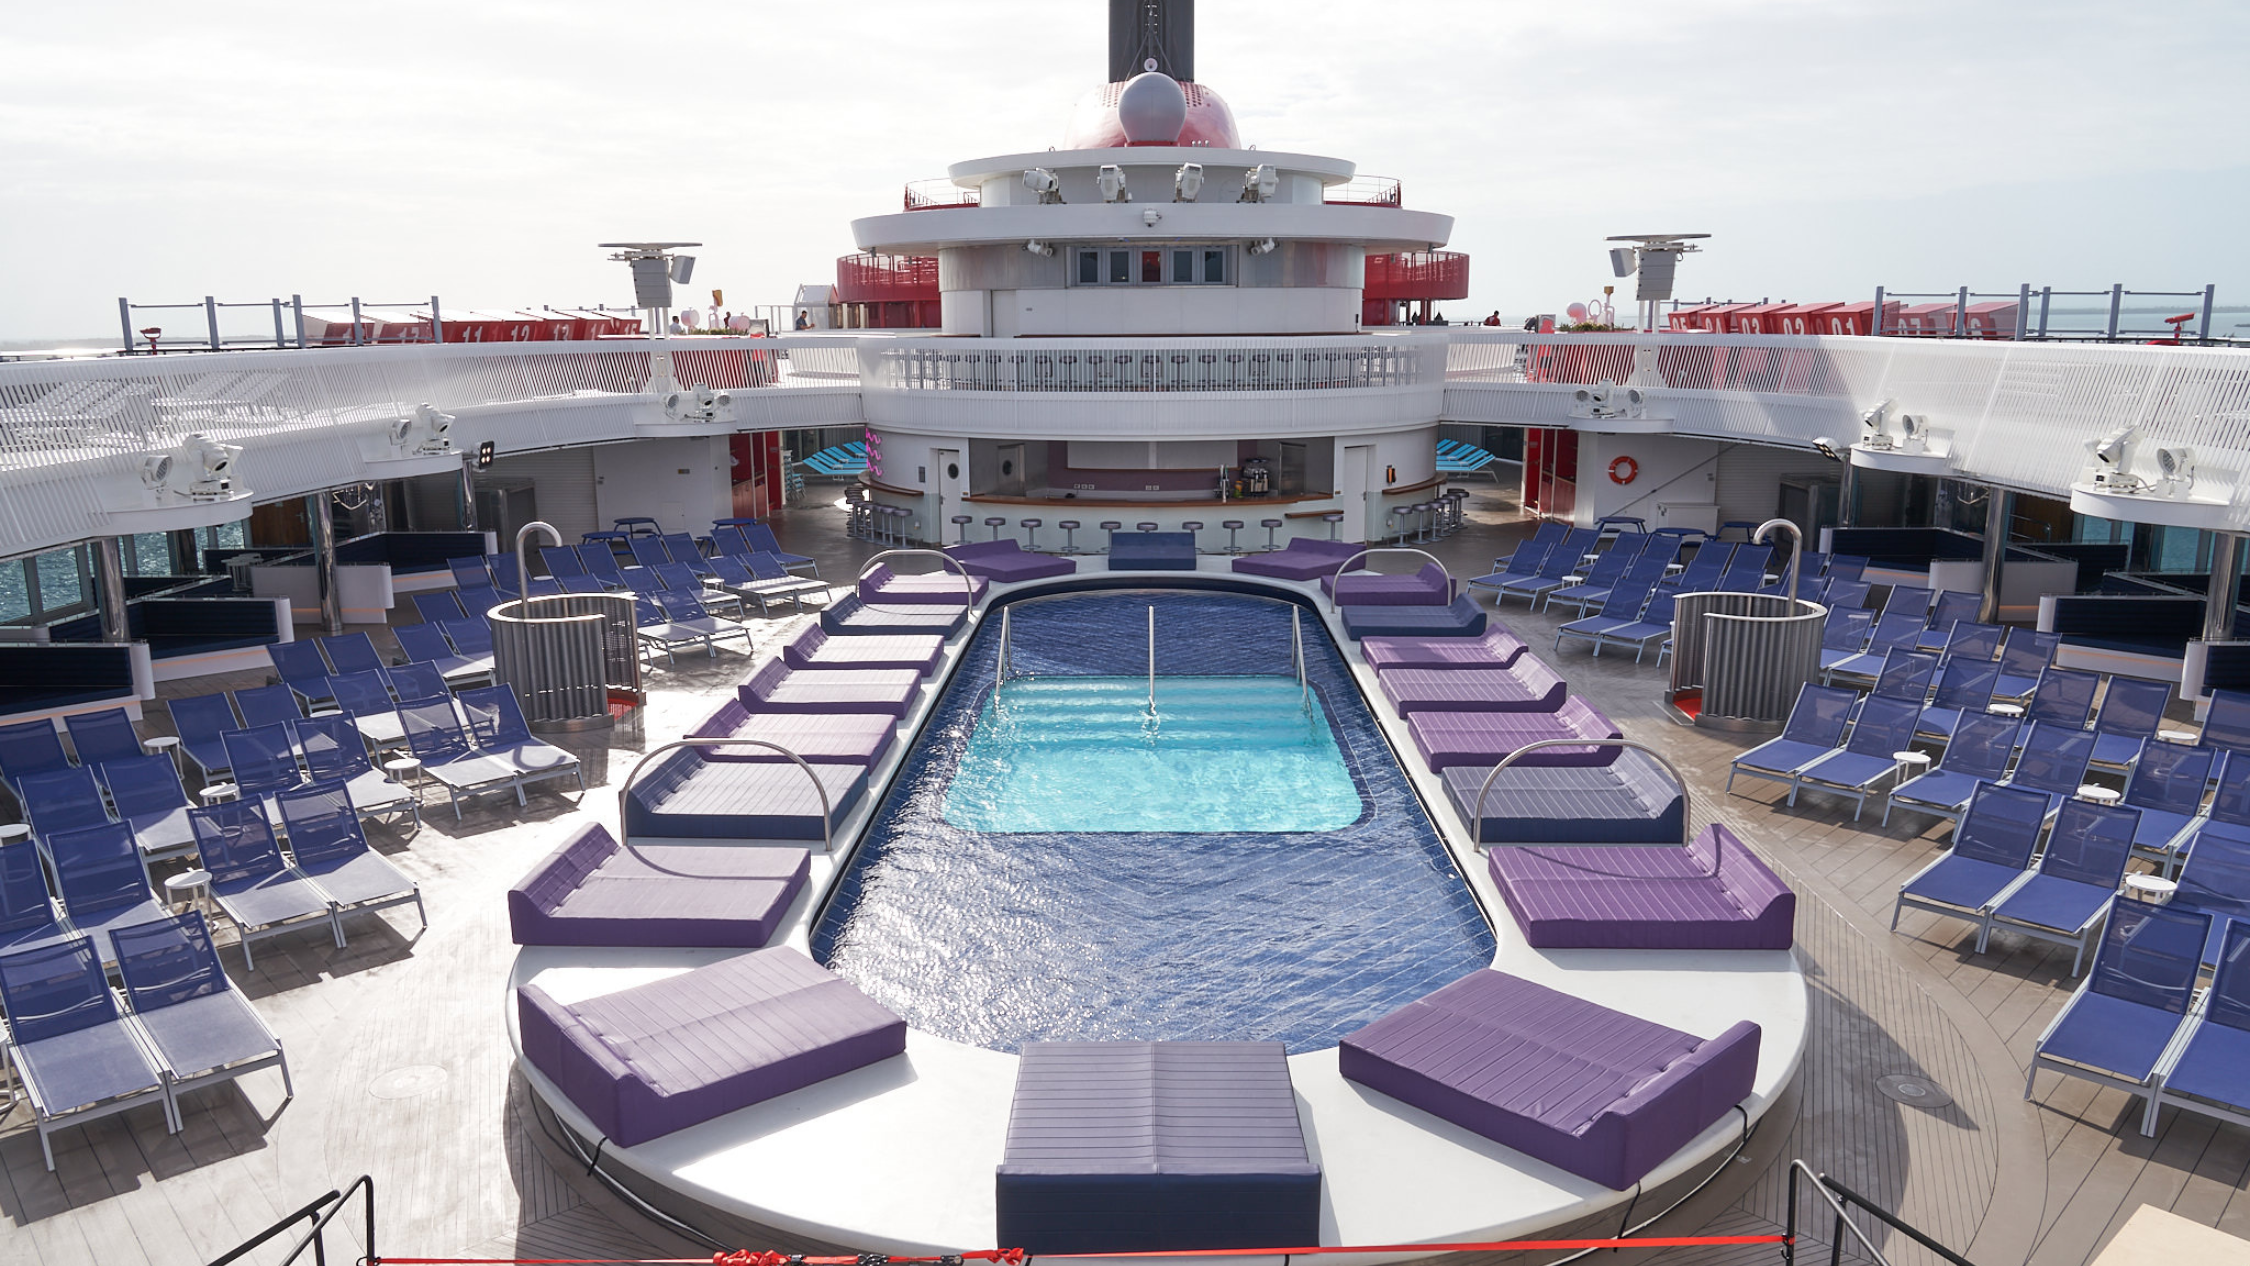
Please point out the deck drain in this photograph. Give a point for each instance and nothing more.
(1918, 1091)
(409, 1082)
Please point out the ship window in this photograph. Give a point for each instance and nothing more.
(1183, 266)
(1089, 268)
(1215, 266)
(1121, 267)
(1152, 267)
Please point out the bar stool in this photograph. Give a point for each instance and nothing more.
(1232, 526)
(1332, 518)
(1426, 513)
(1271, 526)
(1397, 517)
(961, 521)
(1109, 525)
(1191, 527)
(1146, 527)
(996, 522)
(1031, 533)
(901, 519)
(1070, 540)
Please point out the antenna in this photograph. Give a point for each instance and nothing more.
(655, 268)
(1656, 256)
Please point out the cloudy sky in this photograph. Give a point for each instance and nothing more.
(479, 149)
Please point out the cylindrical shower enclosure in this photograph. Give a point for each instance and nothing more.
(568, 657)
(1738, 659)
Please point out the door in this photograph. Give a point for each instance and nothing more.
(949, 475)
(1358, 480)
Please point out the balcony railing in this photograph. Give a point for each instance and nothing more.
(931, 195)
(1312, 364)
(1364, 191)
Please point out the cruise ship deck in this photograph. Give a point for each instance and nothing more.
(404, 1072)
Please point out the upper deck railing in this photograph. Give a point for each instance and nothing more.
(1329, 363)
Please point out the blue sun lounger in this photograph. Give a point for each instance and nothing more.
(1884, 727)
(201, 1027)
(2216, 881)
(62, 800)
(334, 751)
(329, 848)
(1703, 571)
(302, 669)
(1990, 857)
(2022, 659)
(146, 792)
(1964, 689)
(1554, 571)
(96, 737)
(76, 1056)
(435, 735)
(2208, 1068)
(201, 721)
(2079, 871)
(101, 879)
(1844, 634)
(2116, 1029)
(2167, 787)
(1816, 727)
(1541, 540)
(761, 540)
(1985, 744)
(1893, 630)
(443, 604)
(351, 653)
(271, 705)
(2131, 710)
(2053, 761)
(425, 644)
(1952, 608)
(1524, 564)
(27, 748)
(257, 890)
(28, 918)
(2063, 697)
(497, 724)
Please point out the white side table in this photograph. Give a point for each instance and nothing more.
(14, 831)
(2151, 888)
(2099, 795)
(2177, 736)
(405, 769)
(164, 743)
(219, 792)
(2005, 709)
(188, 888)
(1910, 764)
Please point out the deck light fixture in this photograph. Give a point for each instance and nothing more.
(436, 427)
(2178, 468)
(1264, 247)
(1043, 182)
(1043, 250)
(1827, 448)
(2113, 460)
(1187, 182)
(1260, 183)
(1111, 182)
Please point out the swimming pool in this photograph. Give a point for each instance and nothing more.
(1297, 926)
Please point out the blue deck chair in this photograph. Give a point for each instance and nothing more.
(1990, 856)
(351, 653)
(435, 735)
(1641, 573)
(471, 637)
(264, 761)
(2053, 761)
(470, 573)
(1541, 540)
(1884, 726)
(2226, 722)
(426, 644)
(2167, 787)
(2131, 710)
(148, 797)
(271, 705)
(1972, 641)
(676, 578)
(1815, 729)
(601, 564)
(200, 720)
(28, 918)
(302, 669)
(1951, 607)
(762, 541)
(201, 1027)
(2022, 659)
(1964, 689)
(1979, 754)
(1844, 634)
(1846, 595)
(1814, 566)
(2115, 1029)
(2229, 810)
(27, 748)
(1911, 599)
(2067, 897)
(99, 737)
(75, 1054)
(1621, 610)
(102, 881)
(413, 683)
(562, 560)
(648, 551)
(441, 605)
(1524, 564)
(542, 587)
(1703, 571)
(1746, 571)
(1906, 675)
(1607, 570)
(2208, 1069)
(727, 540)
(1846, 566)
(1554, 571)
(1891, 631)
(335, 752)
(769, 567)
(506, 579)
(496, 724)
(2216, 881)
(62, 800)
(644, 582)
(2064, 697)
(578, 584)
(686, 552)
(1655, 621)
(479, 602)
(362, 694)
(254, 886)
(326, 841)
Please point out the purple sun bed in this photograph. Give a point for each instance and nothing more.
(815, 647)
(850, 738)
(1446, 739)
(1118, 1147)
(1498, 648)
(1595, 1092)
(1629, 801)
(855, 618)
(1303, 558)
(691, 896)
(1428, 587)
(1712, 895)
(1006, 562)
(777, 687)
(1529, 686)
(690, 797)
(884, 587)
(646, 1061)
(1462, 618)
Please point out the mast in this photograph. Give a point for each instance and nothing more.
(1141, 31)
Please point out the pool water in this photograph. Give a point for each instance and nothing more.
(1089, 754)
(1056, 867)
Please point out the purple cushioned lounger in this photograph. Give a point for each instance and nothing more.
(1529, 686)
(851, 738)
(1498, 648)
(646, 1061)
(884, 587)
(1428, 587)
(592, 892)
(814, 647)
(776, 687)
(1483, 738)
(1007, 562)
(1713, 894)
(1303, 558)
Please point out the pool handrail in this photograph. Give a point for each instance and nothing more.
(1796, 551)
(968, 583)
(523, 562)
(625, 788)
(1452, 585)
(1687, 819)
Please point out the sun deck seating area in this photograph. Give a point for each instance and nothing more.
(852, 617)
(656, 1058)
(592, 892)
(1445, 739)
(1631, 800)
(1008, 562)
(1594, 1092)
(1304, 558)
(1117, 1147)
(1713, 894)
(1460, 618)
(881, 586)
(1429, 586)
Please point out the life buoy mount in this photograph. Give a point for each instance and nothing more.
(1624, 470)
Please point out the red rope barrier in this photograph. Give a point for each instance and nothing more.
(1017, 1257)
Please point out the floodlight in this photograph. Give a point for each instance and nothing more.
(1043, 250)
(1264, 247)
(1043, 182)
(155, 469)
(691, 404)
(683, 267)
(1622, 261)
(436, 429)
(1150, 216)
(2178, 467)
(1914, 431)
(1874, 425)
(201, 467)
(1260, 183)
(1111, 182)
(1826, 448)
(1187, 182)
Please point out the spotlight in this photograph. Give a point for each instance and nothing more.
(692, 404)
(2113, 459)
(1150, 216)
(1260, 183)
(1262, 248)
(1187, 182)
(1826, 448)
(1044, 250)
(1111, 182)
(1043, 182)
(201, 468)
(2178, 468)
(1914, 432)
(436, 427)
(156, 468)
(1873, 425)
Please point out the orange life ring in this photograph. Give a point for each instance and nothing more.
(1624, 470)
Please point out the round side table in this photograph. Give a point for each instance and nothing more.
(405, 769)
(218, 792)
(1910, 764)
(164, 743)
(2005, 709)
(14, 831)
(188, 888)
(2177, 736)
(2100, 795)
(2151, 888)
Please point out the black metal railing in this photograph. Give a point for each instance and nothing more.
(319, 1213)
(1840, 1200)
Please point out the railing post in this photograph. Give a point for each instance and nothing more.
(2046, 296)
(125, 322)
(1877, 326)
(211, 319)
(2203, 328)
(280, 339)
(355, 321)
(2116, 301)
(1961, 314)
(2023, 309)
(437, 322)
(297, 305)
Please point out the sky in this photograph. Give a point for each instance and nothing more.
(479, 149)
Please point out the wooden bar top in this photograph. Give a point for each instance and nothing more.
(1245, 504)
